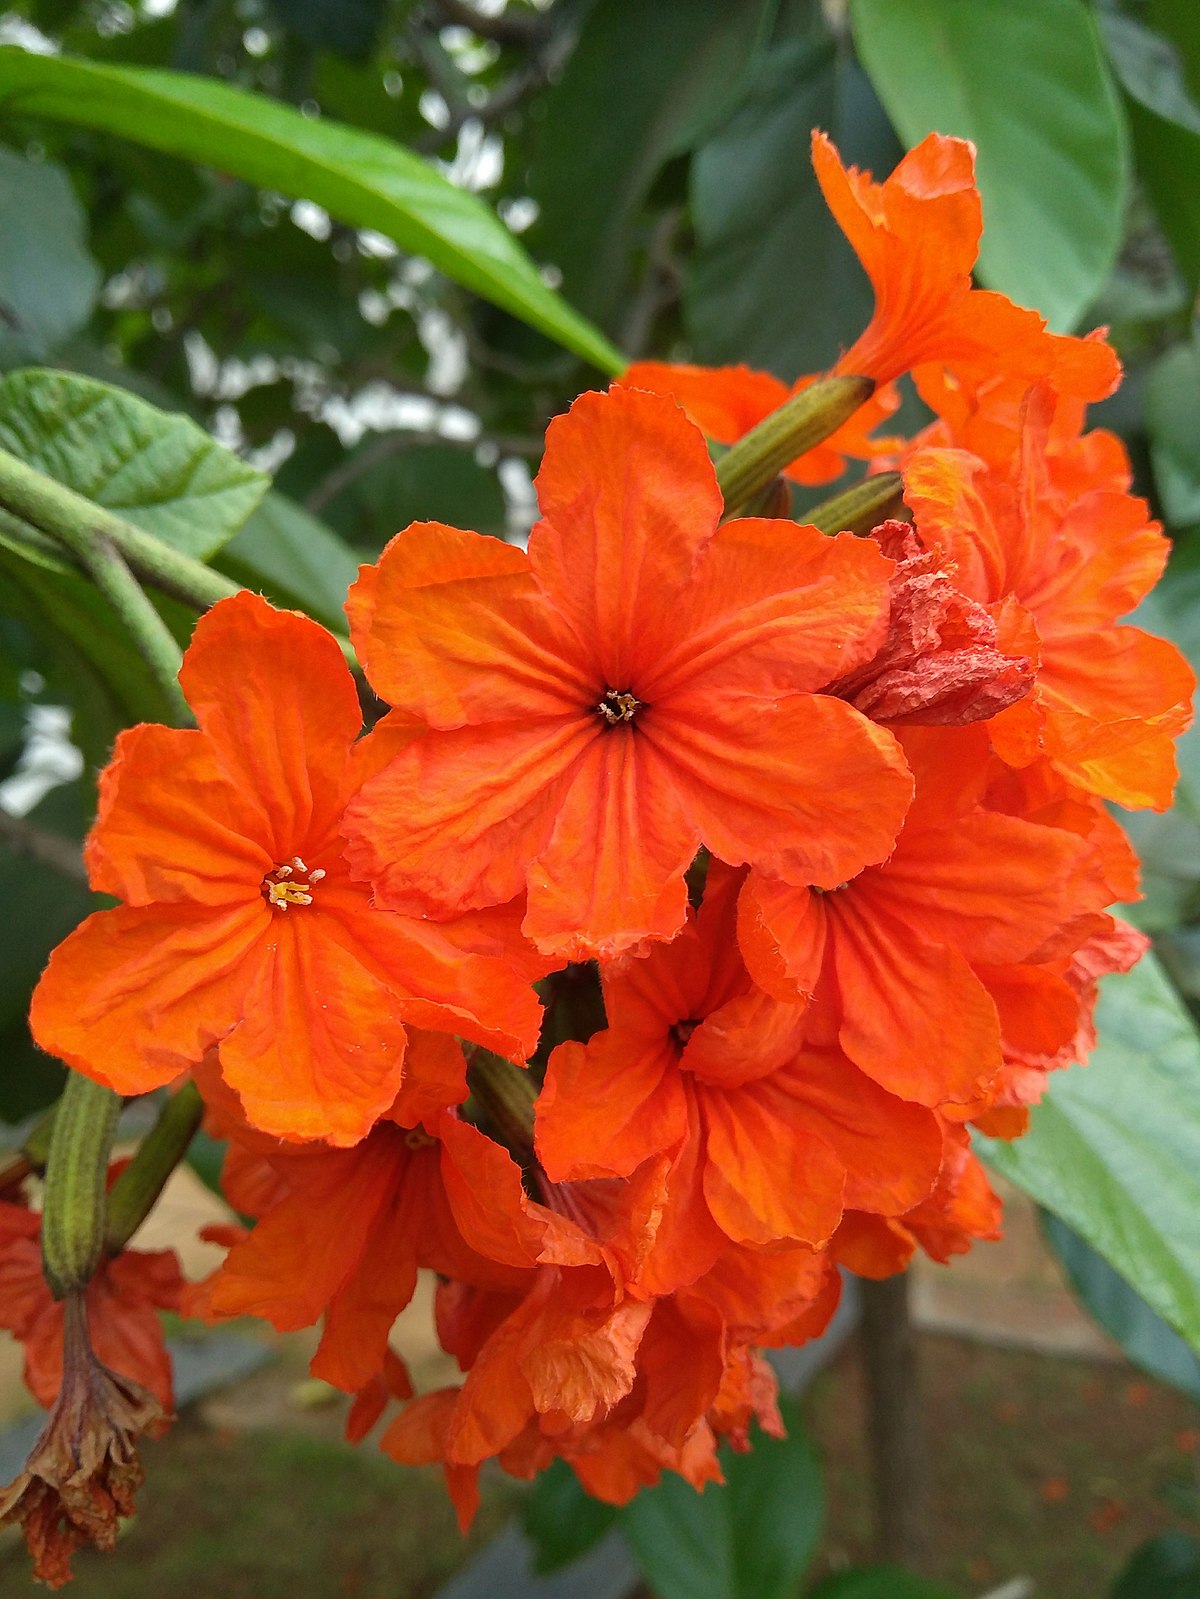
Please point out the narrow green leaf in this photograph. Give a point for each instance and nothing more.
(751, 1538)
(1114, 1148)
(159, 471)
(48, 281)
(562, 1520)
(879, 1582)
(1123, 1314)
(358, 177)
(294, 559)
(1166, 132)
(1029, 83)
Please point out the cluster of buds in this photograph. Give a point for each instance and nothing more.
(708, 877)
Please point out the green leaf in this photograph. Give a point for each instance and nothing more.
(751, 1538)
(1123, 1314)
(772, 280)
(1172, 406)
(879, 1582)
(1029, 83)
(561, 1520)
(1165, 123)
(48, 281)
(358, 177)
(643, 84)
(157, 470)
(1168, 1567)
(294, 559)
(1114, 1148)
(431, 483)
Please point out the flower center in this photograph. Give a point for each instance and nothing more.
(682, 1031)
(618, 705)
(291, 884)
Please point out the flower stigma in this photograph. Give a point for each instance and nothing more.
(290, 884)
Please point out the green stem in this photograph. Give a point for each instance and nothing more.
(135, 1191)
(56, 510)
(74, 1206)
(874, 500)
(800, 423)
(506, 1094)
(155, 642)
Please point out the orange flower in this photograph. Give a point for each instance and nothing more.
(242, 924)
(699, 1062)
(889, 957)
(727, 401)
(1075, 552)
(917, 236)
(641, 681)
(123, 1301)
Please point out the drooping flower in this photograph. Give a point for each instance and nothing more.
(641, 682)
(83, 1471)
(124, 1299)
(241, 923)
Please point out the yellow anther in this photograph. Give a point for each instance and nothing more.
(282, 889)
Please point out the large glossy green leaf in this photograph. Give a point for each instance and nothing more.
(358, 177)
(1029, 83)
(1124, 1314)
(1166, 132)
(644, 83)
(1168, 1567)
(1172, 406)
(156, 469)
(772, 280)
(48, 281)
(751, 1538)
(1114, 1148)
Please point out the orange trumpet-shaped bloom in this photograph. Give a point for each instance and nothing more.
(1049, 531)
(890, 958)
(123, 1301)
(696, 1056)
(641, 682)
(917, 236)
(242, 924)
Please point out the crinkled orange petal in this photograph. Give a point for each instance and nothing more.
(172, 826)
(454, 821)
(272, 692)
(628, 497)
(319, 1050)
(782, 936)
(611, 873)
(608, 1105)
(483, 1186)
(745, 1038)
(804, 787)
(872, 1246)
(438, 977)
(914, 1015)
(589, 1365)
(774, 609)
(137, 994)
(751, 1171)
(459, 632)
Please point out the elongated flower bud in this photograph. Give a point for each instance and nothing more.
(73, 1214)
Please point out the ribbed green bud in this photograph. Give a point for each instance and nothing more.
(800, 423)
(74, 1204)
(506, 1094)
(874, 500)
(132, 1196)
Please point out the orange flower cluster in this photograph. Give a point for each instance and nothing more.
(801, 838)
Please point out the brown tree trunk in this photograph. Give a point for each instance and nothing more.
(900, 1457)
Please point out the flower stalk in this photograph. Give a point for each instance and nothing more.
(802, 422)
(136, 1190)
(863, 507)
